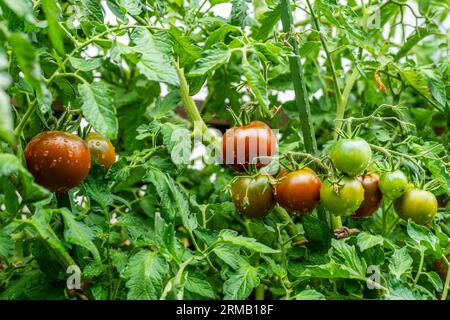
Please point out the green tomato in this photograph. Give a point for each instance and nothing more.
(393, 184)
(253, 197)
(418, 205)
(351, 156)
(342, 199)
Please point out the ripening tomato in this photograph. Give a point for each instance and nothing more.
(299, 191)
(342, 199)
(247, 145)
(102, 149)
(418, 205)
(58, 160)
(351, 156)
(372, 196)
(253, 196)
(393, 184)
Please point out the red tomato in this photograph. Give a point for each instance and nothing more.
(372, 196)
(250, 144)
(299, 191)
(58, 160)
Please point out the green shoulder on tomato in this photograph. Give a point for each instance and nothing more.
(253, 196)
(351, 156)
(343, 198)
(393, 184)
(418, 205)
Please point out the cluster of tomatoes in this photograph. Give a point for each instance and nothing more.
(352, 193)
(60, 161)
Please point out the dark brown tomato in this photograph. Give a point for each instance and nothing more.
(253, 196)
(102, 149)
(58, 160)
(372, 196)
(299, 191)
(249, 144)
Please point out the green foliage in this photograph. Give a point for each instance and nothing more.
(160, 223)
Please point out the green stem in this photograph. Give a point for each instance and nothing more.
(64, 258)
(447, 280)
(259, 292)
(342, 102)
(191, 109)
(71, 74)
(291, 228)
(419, 271)
(336, 222)
(24, 119)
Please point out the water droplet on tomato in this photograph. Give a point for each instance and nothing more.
(45, 153)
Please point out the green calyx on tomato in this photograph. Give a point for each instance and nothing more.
(58, 160)
(253, 196)
(298, 192)
(372, 196)
(342, 199)
(416, 204)
(102, 149)
(252, 144)
(351, 156)
(393, 184)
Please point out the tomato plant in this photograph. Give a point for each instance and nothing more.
(169, 121)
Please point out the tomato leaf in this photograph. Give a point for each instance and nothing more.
(400, 263)
(98, 108)
(238, 14)
(367, 240)
(79, 234)
(154, 63)
(22, 8)
(52, 11)
(212, 59)
(245, 242)
(252, 73)
(268, 21)
(27, 58)
(85, 64)
(418, 35)
(240, 284)
(196, 283)
(146, 272)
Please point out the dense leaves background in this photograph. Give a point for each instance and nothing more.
(154, 227)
